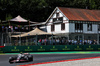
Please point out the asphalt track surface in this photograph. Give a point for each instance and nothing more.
(39, 58)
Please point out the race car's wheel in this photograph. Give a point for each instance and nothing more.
(11, 59)
(30, 58)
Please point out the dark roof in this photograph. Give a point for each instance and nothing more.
(81, 14)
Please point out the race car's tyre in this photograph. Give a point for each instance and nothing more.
(11, 59)
(30, 58)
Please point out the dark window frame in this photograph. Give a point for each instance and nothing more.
(78, 26)
(98, 27)
(60, 18)
(57, 15)
(89, 27)
(62, 26)
(52, 27)
(54, 19)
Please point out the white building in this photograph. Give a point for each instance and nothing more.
(74, 24)
(79, 24)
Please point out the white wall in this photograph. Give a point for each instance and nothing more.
(94, 28)
(60, 15)
(54, 16)
(66, 27)
(48, 28)
(71, 27)
(58, 26)
(84, 28)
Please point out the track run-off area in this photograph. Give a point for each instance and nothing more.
(43, 57)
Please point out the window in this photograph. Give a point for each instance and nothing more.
(89, 27)
(52, 28)
(54, 19)
(57, 14)
(99, 27)
(78, 26)
(60, 18)
(63, 26)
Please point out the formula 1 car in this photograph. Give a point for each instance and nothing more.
(23, 57)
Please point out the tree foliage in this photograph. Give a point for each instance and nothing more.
(39, 10)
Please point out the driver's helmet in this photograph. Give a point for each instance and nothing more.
(21, 53)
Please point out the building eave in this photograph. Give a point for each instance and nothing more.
(42, 23)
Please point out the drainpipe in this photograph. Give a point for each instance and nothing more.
(97, 35)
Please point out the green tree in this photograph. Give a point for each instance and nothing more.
(39, 10)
